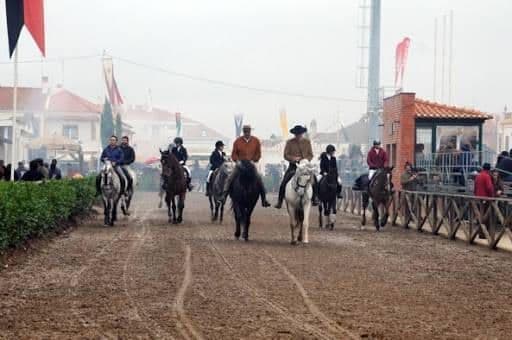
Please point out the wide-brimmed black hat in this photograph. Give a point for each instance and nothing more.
(298, 130)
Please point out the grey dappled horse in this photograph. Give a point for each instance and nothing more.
(215, 190)
(110, 192)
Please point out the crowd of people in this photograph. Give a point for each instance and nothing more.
(37, 170)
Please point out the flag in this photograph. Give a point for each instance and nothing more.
(284, 123)
(178, 124)
(401, 53)
(239, 121)
(29, 13)
(110, 81)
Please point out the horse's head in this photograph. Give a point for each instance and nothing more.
(304, 175)
(166, 161)
(227, 167)
(107, 171)
(381, 182)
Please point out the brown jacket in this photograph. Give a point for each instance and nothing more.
(295, 148)
(246, 150)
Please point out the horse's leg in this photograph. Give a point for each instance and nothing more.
(114, 212)
(181, 207)
(365, 206)
(222, 211)
(293, 222)
(238, 216)
(385, 215)
(320, 219)
(375, 215)
(334, 208)
(106, 211)
(173, 205)
(305, 223)
(247, 223)
(212, 207)
(169, 207)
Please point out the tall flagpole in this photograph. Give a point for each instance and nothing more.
(14, 113)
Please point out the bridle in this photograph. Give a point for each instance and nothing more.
(300, 189)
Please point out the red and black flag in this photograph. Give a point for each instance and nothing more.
(29, 13)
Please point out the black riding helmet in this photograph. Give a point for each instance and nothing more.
(330, 148)
(178, 140)
(219, 144)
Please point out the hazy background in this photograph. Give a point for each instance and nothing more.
(306, 46)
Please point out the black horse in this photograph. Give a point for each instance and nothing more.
(327, 193)
(244, 192)
(379, 190)
(175, 185)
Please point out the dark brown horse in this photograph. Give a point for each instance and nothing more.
(175, 186)
(379, 190)
(328, 195)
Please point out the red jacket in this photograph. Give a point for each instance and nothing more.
(377, 160)
(483, 184)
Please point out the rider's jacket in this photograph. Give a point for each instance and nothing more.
(377, 159)
(113, 154)
(128, 154)
(246, 149)
(298, 148)
(217, 158)
(180, 153)
(327, 162)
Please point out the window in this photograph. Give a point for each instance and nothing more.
(70, 131)
(393, 155)
(423, 148)
(93, 131)
(507, 142)
(457, 138)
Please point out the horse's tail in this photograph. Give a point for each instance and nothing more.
(299, 211)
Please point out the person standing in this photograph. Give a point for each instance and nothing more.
(34, 173)
(295, 150)
(54, 172)
(20, 171)
(377, 158)
(484, 187)
(408, 181)
(247, 147)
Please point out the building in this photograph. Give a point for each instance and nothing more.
(426, 133)
(503, 131)
(156, 128)
(53, 123)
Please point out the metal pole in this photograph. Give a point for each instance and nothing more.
(435, 61)
(443, 59)
(14, 113)
(374, 73)
(450, 61)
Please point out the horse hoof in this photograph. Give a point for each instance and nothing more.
(294, 243)
(246, 239)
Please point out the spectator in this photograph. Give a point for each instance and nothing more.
(54, 172)
(20, 171)
(505, 165)
(484, 186)
(501, 156)
(2, 169)
(499, 188)
(409, 179)
(41, 168)
(7, 174)
(34, 173)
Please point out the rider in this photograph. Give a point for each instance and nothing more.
(377, 159)
(296, 149)
(247, 147)
(114, 154)
(217, 158)
(328, 161)
(181, 154)
(128, 159)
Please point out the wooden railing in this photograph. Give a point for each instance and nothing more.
(456, 216)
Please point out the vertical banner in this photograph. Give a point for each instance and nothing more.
(110, 81)
(179, 129)
(239, 121)
(402, 51)
(283, 120)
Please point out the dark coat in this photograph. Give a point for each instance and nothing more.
(32, 176)
(326, 163)
(55, 173)
(113, 154)
(181, 154)
(128, 154)
(216, 160)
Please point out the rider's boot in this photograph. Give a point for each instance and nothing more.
(280, 198)
(264, 201)
(190, 187)
(98, 185)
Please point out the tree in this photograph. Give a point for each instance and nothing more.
(107, 123)
(355, 151)
(119, 126)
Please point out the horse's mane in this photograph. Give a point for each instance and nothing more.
(177, 178)
(247, 170)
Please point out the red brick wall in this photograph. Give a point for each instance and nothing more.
(399, 128)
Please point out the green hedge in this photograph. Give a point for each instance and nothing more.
(30, 209)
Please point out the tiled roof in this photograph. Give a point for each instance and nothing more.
(426, 109)
(33, 99)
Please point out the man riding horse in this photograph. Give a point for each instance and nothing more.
(377, 159)
(128, 159)
(246, 147)
(181, 154)
(296, 149)
(114, 154)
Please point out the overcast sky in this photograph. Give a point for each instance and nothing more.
(306, 46)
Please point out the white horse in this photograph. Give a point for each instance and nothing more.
(110, 192)
(298, 195)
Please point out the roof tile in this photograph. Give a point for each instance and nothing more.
(427, 109)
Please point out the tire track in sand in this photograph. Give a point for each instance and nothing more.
(182, 321)
(312, 307)
(282, 311)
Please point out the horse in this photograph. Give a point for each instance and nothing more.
(298, 195)
(110, 192)
(175, 185)
(327, 193)
(379, 190)
(244, 192)
(215, 190)
(128, 194)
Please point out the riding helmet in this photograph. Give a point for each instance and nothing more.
(178, 140)
(219, 144)
(330, 148)
(376, 142)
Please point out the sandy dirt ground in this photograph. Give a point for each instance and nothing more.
(145, 279)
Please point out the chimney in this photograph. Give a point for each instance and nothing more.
(45, 85)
